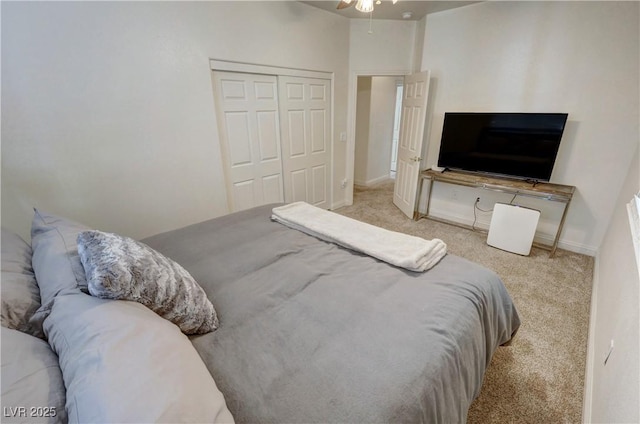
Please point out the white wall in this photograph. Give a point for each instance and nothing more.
(383, 102)
(613, 390)
(363, 114)
(389, 47)
(374, 129)
(575, 57)
(419, 44)
(107, 107)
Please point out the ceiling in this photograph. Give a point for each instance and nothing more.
(388, 10)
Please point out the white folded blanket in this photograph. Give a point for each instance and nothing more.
(402, 250)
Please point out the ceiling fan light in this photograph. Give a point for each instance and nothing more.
(365, 6)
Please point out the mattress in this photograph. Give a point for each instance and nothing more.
(313, 332)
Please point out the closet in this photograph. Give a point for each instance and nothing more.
(275, 137)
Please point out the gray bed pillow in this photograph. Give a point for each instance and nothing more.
(20, 294)
(32, 386)
(55, 260)
(121, 268)
(122, 363)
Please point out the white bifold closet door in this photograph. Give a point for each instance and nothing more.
(305, 118)
(249, 124)
(274, 134)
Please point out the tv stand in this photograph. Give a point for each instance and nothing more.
(540, 190)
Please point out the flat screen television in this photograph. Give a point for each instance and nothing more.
(517, 145)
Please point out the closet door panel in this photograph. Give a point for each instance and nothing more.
(249, 121)
(298, 185)
(268, 136)
(319, 188)
(272, 188)
(296, 133)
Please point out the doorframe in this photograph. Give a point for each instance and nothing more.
(351, 124)
(255, 68)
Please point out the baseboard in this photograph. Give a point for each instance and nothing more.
(580, 248)
(372, 182)
(588, 374)
(542, 238)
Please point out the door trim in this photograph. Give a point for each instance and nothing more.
(254, 68)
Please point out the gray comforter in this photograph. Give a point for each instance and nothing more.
(312, 332)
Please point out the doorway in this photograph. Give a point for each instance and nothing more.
(377, 128)
(409, 147)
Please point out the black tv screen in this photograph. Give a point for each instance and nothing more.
(520, 145)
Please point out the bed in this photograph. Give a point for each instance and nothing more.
(313, 332)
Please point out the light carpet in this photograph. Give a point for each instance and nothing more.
(539, 378)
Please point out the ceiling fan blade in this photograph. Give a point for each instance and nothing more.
(344, 4)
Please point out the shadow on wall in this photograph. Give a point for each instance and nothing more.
(428, 156)
(561, 169)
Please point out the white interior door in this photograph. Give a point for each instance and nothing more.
(248, 118)
(414, 109)
(305, 117)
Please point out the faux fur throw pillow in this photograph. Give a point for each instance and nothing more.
(121, 268)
